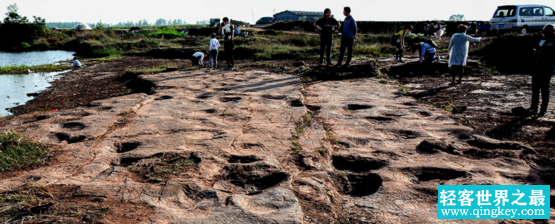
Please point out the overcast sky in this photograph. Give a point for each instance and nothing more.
(114, 11)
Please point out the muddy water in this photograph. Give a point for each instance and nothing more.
(34, 58)
(14, 88)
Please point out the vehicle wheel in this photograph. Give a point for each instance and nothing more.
(524, 30)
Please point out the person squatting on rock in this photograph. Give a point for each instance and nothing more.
(428, 51)
(213, 58)
(228, 32)
(458, 51)
(541, 76)
(348, 37)
(327, 26)
(399, 40)
(76, 64)
(198, 59)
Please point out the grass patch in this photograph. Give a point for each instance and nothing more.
(19, 152)
(405, 90)
(383, 81)
(165, 68)
(105, 51)
(167, 33)
(24, 69)
(322, 151)
(308, 117)
(110, 58)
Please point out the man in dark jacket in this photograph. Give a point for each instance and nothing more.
(545, 64)
(348, 37)
(228, 33)
(327, 26)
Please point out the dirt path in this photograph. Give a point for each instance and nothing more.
(260, 147)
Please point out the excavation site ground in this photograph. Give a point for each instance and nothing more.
(143, 139)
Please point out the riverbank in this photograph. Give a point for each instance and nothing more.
(24, 69)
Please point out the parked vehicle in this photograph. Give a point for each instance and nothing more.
(522, 18)
(265, 21)
(214, 22)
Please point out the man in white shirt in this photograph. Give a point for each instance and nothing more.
(197, 59)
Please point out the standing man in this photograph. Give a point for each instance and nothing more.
(541, 78)
(326, 26)
(228, 32)
(348, 37)
(238, 30)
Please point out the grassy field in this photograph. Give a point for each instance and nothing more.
(269, 45)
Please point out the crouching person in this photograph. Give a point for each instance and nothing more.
(76, 64)
(198, 59)
(541, 77)
(428, 52)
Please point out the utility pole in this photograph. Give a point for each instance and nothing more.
(253, 16)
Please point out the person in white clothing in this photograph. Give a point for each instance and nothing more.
(197, 59)
(214, 45)
(458, 51)
(76, 64)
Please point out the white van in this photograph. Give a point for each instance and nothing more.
(522, 18)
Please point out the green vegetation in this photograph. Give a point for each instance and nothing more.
(18, 152)
(383, 81)
(23, 69)
(299, 131)
(165, 68)
(308, 117)
(322, 151)
(167, 33)
(405, 90)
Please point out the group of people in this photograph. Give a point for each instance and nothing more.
(327, 26)
(228, 32)
(458, 51)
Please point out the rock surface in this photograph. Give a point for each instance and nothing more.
(258, 147)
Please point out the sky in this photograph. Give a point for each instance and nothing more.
(114, 11)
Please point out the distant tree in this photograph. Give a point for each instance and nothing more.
(457, 17)
(13, 17)
(39, 22)
(203, 22)
(100, 26)
(160, 22)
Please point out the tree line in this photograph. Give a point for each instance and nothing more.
(143, 22)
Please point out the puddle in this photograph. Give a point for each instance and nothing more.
(16, 87)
